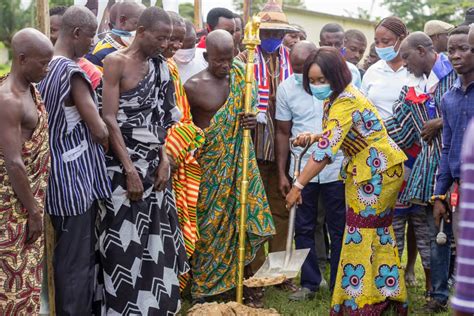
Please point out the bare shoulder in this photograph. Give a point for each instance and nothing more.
(10, 105)
(193, 84)
(114, 62)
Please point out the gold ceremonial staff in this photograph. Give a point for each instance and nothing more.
(251, 40)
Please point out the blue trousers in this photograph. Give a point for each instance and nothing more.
(333, 198)
(440, 260)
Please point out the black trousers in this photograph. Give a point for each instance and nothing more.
(74, 261)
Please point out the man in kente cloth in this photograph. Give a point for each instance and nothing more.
(182, 141)
(141, 246)
(216, 95)
(24, 169)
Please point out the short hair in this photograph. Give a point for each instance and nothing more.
(355, 34)
(78, 16)
(152, 16)
(462, 29)
(213, 16)
(175, 18)
(333, 67)
(395, 25)
(59, 10)
(238, 16)
(189, 27)
(331, 28)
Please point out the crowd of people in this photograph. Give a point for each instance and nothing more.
(131, 142)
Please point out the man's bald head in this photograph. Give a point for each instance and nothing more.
(417, 39)
(300, 53)
(418, 53)
(32, 52)
(220, 52)
(220, 40)
(128, 14)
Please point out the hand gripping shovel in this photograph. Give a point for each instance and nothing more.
(287, 263)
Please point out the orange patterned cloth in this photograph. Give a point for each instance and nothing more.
(181, 142)
(21, 264)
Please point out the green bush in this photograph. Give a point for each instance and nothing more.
(4, 69)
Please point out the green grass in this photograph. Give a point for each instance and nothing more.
(320, 305)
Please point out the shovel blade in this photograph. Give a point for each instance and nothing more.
(274, 264)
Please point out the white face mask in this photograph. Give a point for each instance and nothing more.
(127, 40)
(185, 56)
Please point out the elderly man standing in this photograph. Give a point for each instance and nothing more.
(24, 169)
(273, 66)
(78, 180)
(141, 245)
(417, 119)
(216, 96)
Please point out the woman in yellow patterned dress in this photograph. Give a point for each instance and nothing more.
(369, 275)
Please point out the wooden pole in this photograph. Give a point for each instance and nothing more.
(42, 16)
(42, 19)
(197, 14)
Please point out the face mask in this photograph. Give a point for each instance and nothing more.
(299, 79)
(387, 53)
(127, 40)
(185, 56)
(270, 45)
(125, 36)
(321, 92)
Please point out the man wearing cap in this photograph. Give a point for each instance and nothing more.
(272, 67)
(438, 32)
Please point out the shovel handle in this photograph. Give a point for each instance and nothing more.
(297, 157)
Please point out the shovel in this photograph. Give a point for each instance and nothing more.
(286, 263)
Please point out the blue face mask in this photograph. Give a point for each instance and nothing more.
(270, 45)
(121, 33)
(321, 92)
(343, 51)
(387, 53)
(298, 79)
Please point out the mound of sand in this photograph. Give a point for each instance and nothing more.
(229, 309)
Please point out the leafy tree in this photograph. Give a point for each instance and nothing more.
(186, 10)
(416, 13)
(13, 16)
(257, 5)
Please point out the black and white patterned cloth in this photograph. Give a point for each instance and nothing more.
(141, 246)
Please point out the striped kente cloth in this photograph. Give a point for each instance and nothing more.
(182, 140)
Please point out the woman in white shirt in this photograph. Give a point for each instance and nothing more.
(383, 81)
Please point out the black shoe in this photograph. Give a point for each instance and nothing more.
(435, 306)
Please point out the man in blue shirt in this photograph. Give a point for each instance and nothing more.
(457, 107)
(297, 112)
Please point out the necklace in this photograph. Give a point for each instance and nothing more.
(268, 62)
